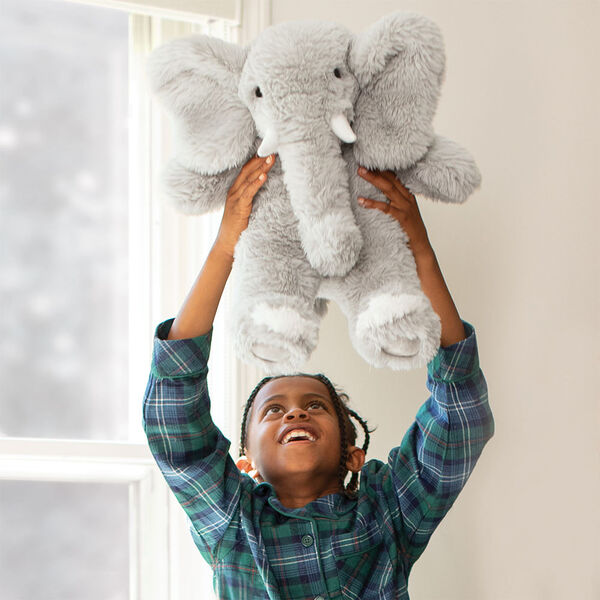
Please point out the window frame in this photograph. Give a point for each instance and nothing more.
(164, 563)
(181, 10)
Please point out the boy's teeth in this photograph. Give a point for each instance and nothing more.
(298, 433)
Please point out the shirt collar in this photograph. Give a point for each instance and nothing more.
(331, 506)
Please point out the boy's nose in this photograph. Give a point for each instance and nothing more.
(296, 412)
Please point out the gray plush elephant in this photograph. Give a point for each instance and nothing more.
(325, 101)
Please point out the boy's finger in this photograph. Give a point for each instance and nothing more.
(248, 173)
(395, 181)
(251, 170)
(248, 190)
(385, 207)
(255, 184)
(377, 180)
(386, 181)
(259, 163)
(251, 187)
(369, 203)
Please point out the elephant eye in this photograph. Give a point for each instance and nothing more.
(337, 73)
(258, 92)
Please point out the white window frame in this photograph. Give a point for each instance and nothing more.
(166, 251)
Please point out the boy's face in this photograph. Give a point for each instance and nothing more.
(294, 403)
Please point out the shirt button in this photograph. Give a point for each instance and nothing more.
(307, 541)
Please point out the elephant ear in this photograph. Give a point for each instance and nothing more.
(196, 79)
(399, 64)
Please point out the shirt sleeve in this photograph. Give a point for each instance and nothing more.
(439, 451)
(190, 450)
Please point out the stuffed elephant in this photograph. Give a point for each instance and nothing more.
(324, 100)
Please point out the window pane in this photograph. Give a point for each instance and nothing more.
(64, 541)
(63, 225)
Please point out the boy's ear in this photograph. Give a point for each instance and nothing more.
(356, 459)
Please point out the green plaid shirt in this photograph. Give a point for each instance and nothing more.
(333, 547)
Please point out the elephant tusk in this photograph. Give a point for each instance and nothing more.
(341, 128)
(269, 144)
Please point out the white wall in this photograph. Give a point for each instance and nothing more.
(522, 94)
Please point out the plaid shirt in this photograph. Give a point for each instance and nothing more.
(333, 547)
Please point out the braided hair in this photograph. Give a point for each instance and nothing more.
(347, 428)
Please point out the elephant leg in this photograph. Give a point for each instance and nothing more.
(391, 321)
(276, 314)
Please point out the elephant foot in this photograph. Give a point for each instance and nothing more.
(405, 347)
(400, 331)
(332, 246)
(279, 339)
(270, 353)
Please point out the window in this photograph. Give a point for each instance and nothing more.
(64, 270)
(91, 261)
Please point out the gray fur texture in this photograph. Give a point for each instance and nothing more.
(325, 101)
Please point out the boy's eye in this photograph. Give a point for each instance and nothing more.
(276, 408)
(317, 403)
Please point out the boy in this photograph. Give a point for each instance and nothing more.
(293, 529)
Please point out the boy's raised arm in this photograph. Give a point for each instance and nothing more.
(191, 452)
(440, 449)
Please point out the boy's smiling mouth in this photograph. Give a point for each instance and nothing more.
(298, 434)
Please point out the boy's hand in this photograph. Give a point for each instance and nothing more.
(238, 204)
(402, 206)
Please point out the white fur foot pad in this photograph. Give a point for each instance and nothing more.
(277, 338)
(280, 319)
(400, 331)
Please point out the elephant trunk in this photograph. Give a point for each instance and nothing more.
(316, 176)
